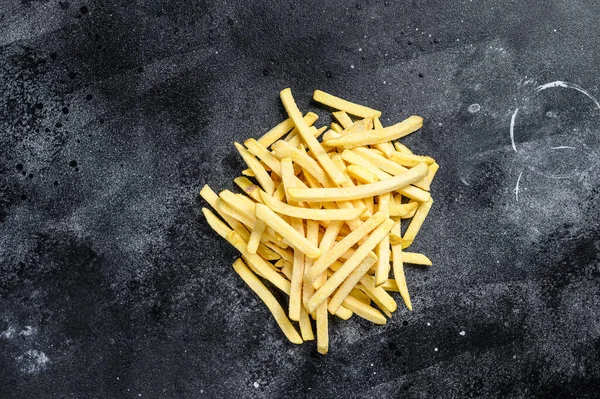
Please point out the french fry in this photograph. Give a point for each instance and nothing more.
(343, 118)
(399, 275)
(343, 105)
(248, 187)
(387, 148)
(285, 150)
(313, 144)
(265, 295)
(284, 128)
(410, 160)
(402, 148)
(382, 250)
(335, 127)
(261, 152)
(259, 171)
(417, 221)
(288, 232)
(364, 311)
(367, 190)
(416, 259)
(256, 234)
(308, 213)
(390, 133)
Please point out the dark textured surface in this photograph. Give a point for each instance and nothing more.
(114, 113)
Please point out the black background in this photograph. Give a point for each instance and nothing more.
(113, 114)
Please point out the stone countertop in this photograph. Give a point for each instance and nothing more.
(113, 115)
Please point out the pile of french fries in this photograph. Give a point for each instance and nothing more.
(322, 223)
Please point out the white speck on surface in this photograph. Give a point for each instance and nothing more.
(517, 187)
(360, 49)
(139, 394)
(435, 349)
(384, 82)
(462, 179)
(429, 324)
(462, 333)
(352, 66)
(474, 108)
(256, 384)
(512, 129)
(563, 147)
(27, 331)
(371, 364)
(514, 356)
(8, 334)
(440, 124)
(117, 378)
(33, 361)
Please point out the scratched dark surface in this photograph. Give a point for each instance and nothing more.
(113, 114)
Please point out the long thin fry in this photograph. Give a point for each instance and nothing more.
(365, 311)
(255, 236)
(283, 149)
(283, 128)
(387, 148)
(410, 160)
(343, 118)
(313, 144)
(417, 221)
(264, 155)
(343, 105)
(259, 171)
(367, 190)
(390, 133)
(265, 295)
(399, 275)
(295, 304)
(382, 268)
(308, 213)
(416, 259)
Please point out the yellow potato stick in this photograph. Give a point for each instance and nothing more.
(295, 304)
(295, 140)
(213, 200)
(343, 105)
(286, 270)
(269, 300)
(264, 155)
(343, 313)
(368, 190)
(365, 311)
(433, 168)
(336, 128)
(308, 213)
(285, 150)
(409, 191)
(284, 128)
(259, 171)
(343, 118)
(305, 326)
(391, 284)
(387, 165)
(255, 236)
(322, 328)
(361, 296)
(313, 144)
(416, 259)
(227, 209)
(239, 203)
(402, 148)
(402, 210)
(283, 253)
(417, 221)
(382, 298)
(279, 225)
(279, 193)
(395, 234)
(339, 162)
(238, 243)
(375, 300)
(399, 275)
(370, 204)
(334, 253)
(382, 269)
(387, 148)
(248, 187)
(410, 160)
(248, 172)
(331, 134)
(394, 132)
